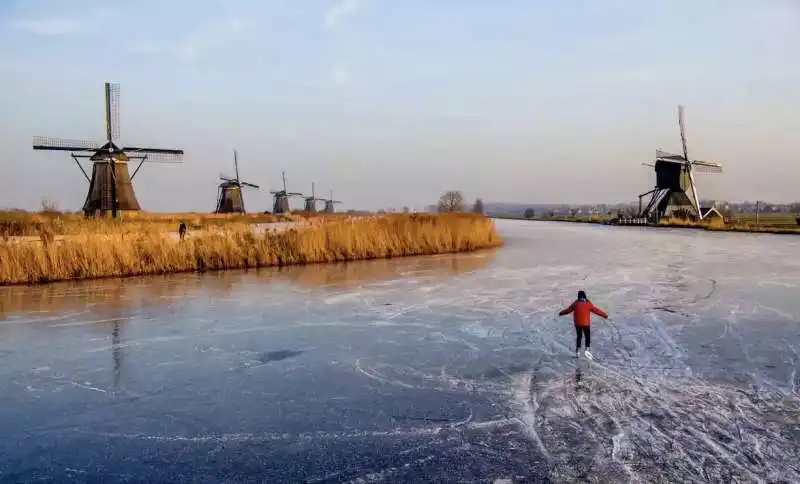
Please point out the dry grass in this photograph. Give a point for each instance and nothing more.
(14, 223)
(19, 223)
(117, 251)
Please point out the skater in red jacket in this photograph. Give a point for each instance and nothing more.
(581, 310)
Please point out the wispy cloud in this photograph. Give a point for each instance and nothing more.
(340, 73)
(336, 18)
(197, 43)
(342, 11)
(60, 26)
(143, 46)
(50, 26)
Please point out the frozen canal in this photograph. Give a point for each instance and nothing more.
(449, 368)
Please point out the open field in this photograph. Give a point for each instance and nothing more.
(118, 251)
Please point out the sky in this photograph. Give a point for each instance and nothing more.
(389, 103)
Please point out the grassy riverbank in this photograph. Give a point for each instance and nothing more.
(735, 225)
(121, 252)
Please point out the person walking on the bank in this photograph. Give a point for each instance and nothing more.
(182, 230)
(581, 310)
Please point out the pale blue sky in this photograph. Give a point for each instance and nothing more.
(389, 103)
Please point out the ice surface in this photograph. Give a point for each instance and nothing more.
(449, 368)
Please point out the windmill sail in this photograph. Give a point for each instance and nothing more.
(683, 133)
(675, 191)
(110, 186)
(230, 198)
(706, 166)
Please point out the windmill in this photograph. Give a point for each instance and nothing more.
(311, 202)
(281, 204)
(229, 197)
(675, 191)
(111, 185)
(329, 203)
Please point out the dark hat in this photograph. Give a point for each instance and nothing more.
(582, 295)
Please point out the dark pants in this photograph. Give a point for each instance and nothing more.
(582, 331)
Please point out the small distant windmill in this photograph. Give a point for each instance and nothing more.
(311, 202)
(230, 198)
(281, 204)
(110, 187)
(329, 203)
(675, 191)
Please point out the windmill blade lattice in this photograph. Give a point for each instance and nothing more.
(156, 154)
(65, 144)
(113, 110)
(706, 167)
(236, 164)
(683, 133)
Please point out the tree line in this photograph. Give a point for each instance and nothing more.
(453, 201)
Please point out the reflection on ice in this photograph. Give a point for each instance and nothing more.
(108, 295)
(443, 368)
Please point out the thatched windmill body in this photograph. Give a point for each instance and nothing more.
(329, 203)
(311, 202)
(675, 192)
(229, 196)
(281, 203)
(111, 185)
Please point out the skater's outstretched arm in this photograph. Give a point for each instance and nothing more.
(598, 311)
(567, 310)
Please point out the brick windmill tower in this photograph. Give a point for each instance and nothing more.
(281, 204)
(311, 202)
(111, 184)
(229, 197)
(329, 203)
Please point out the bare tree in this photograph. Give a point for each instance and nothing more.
(406, 209)
(530, 213)
(478, 206)
(451, 201)
(49, 207)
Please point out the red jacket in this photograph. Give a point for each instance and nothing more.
(581, 310)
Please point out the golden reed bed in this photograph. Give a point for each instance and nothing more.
(234, 246)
